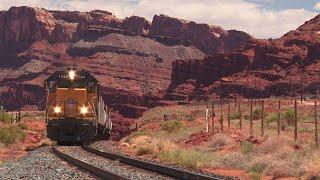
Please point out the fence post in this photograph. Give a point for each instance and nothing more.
(3, 115)
(316, 123)
(240, 115)
(221, 115)
(262, 118)
(229, 118)
(251, 119)
(295, 121)
(19, 117)
(278, 122)
(207, 124)
(212, 116)
(301, 86)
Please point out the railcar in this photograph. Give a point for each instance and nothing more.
(75, 110)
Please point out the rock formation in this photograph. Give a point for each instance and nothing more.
(142, 64)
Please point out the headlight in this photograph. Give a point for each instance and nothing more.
(72, 74)
(57, 109)
(84, 110)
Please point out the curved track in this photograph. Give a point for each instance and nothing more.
(87, 167)
(161, 169)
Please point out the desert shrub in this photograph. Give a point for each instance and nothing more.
(285, 168)
(288, 116)
(247, 147)
(5, 117)
(233, 160)
(172, 126)
(187, 158)
(312, 166)
(271, 118)
(23, 126)
(190, 117)
(136, 134)
(10, 134)
(257, 113)
(143, 150)
(274, 144)
(234, 116)
(219, 140)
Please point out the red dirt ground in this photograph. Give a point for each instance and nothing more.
(35, 134)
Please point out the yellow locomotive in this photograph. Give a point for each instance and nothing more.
(75, 110)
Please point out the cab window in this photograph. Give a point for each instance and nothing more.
(91, 87)
(52, 86)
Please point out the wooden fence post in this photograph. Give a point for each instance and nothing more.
(251, 119)
(229, 116)
(212, 116)
(301, 86)
(207, 124)
(262, 118)
(240, 115)
(316, 124)
(278, 122)
(295, 121)
(221, 115)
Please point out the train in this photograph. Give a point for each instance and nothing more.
(75, 111)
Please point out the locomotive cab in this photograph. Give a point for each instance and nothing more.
(75, 111)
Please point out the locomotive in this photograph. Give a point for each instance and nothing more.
(75, 111)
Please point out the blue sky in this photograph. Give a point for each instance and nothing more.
(286, 4)
(260, 18)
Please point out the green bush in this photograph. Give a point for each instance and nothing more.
(5, 117)
(257, 113)
(172, 126)
(187, 158)
(234, 116)
(271, 118)
(288, 116)
(23, 126)
(247, 147)
(11, 134)
(136, 134)
(142, 150)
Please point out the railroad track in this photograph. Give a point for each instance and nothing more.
(151, 167)
(86, 166)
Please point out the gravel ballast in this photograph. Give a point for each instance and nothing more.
(116, 167)
(41, 164)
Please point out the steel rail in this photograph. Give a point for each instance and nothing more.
(88, 167)
(165, 170)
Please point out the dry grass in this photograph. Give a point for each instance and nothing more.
(192, 158)
(11, 134)
(143, 150)
(220, 140)
(234, 160)
(276, 156)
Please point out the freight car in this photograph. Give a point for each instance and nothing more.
(75, 110)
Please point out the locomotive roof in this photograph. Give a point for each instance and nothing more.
(87, 74)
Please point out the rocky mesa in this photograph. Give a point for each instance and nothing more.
(143, 64)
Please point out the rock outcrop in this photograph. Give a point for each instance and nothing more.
(142, 64)
(209, 39)
(136, 25)
(20, 26)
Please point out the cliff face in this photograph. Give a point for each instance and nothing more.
(209, 39)
(142, 64)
